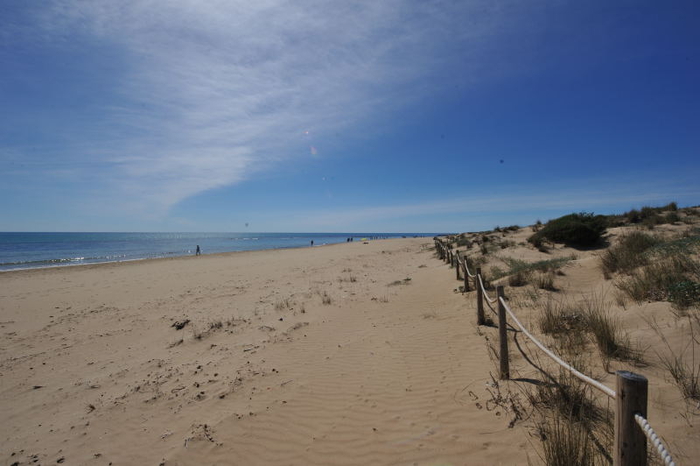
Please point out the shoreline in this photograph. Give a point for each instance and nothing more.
(80, 258)
(185, 256)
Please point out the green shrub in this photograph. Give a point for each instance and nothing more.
(582, 229)
(519, 279)
(652, 220)
(672, 217)
(633, 216)
(463, 240)
(657, 281)
(684, 294)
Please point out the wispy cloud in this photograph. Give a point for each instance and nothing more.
(210, 92)
(481, 211)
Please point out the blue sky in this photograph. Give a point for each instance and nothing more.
(414, 116)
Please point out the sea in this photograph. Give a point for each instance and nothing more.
(39, 250)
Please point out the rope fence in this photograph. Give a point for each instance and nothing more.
(632, 429)
(654, 439)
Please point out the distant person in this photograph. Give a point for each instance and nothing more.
(312, 242)
(199, 251)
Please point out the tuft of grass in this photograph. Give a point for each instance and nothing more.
(607, 332)
(565, 443)
(521, 273)
(283, 304)
(628, 254)
(560, 318)
(326, 299)
(474, 262)
(405, 281)
(545, 281)
(567, 396)
(216, 325)
(568, 422)
(520, 278)
(671, 278)
(496, 272)
(349, 278)
(684, 370)
(505, 244)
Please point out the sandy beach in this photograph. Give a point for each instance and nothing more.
(345, 354)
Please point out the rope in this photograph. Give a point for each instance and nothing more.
(466, 267)
(654, 439)
(603, 388)
(492, 309)
(483, 290)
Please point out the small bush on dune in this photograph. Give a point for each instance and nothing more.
(628, 253)
(672, 217)
(633, 216)
(684, 294)
(582, 229)
(518, 279)
(649, 216)
(669, 278)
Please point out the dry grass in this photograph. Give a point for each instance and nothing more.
(628, 254)
(684, 369)
(545, 281)
(569, 419)
(665, 280)
(326, 299)
(607, 332)
(565, 443)
(283, 304)
(559, 318)
(405, 281)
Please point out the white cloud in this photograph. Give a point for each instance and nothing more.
(486, 211)
(213, 91)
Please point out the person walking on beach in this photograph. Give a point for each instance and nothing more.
(312, 242)
(199, 251)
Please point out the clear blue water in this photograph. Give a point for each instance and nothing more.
(36, 250)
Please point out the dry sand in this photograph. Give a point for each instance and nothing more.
(345, 354)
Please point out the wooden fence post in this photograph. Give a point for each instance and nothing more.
(466, 274)
(479, 299)
(457, 263)
(630, 442)
(502, 336)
